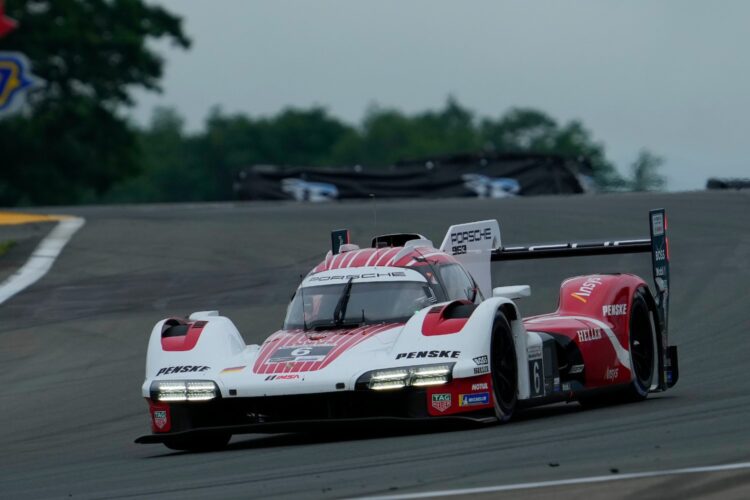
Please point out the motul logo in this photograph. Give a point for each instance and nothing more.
(586, 289)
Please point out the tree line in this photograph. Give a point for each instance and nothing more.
(72, 144)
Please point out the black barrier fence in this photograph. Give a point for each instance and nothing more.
(717, 183)
(466, 175)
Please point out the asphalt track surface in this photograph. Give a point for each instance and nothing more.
(72, 352)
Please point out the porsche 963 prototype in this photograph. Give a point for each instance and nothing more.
(407, 331)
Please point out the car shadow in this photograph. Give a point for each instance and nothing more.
(363, 432)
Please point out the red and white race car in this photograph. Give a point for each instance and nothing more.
(403, 331)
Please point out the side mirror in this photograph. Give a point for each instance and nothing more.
(512, 292)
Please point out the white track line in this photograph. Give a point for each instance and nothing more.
(564, 482)
(42, 259)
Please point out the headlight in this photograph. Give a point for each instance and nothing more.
(415, 376)
(170, 391)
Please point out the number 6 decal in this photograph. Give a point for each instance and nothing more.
(536, 376)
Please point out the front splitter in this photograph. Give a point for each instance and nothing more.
(389, 423)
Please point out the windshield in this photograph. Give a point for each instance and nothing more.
(375, 302)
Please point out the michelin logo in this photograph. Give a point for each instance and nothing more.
(478, 399)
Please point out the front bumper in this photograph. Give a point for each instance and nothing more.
(301, 413)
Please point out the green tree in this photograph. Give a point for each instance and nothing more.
(645, 172)
(387, 135)
(170, 170)
(72, 145)
(530, 130)
(293, 137)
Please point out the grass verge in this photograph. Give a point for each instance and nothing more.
(5, 246)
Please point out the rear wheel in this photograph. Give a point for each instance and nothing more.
(642, 348)
(504, 369)
(206, 442)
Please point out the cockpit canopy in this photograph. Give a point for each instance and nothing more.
(343, 298)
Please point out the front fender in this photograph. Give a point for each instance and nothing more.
(472, 341)
(210, 345)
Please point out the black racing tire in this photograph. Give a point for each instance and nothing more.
(641, 338)
(204, 442)
(504, 369)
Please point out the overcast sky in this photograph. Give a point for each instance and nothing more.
(671, 76)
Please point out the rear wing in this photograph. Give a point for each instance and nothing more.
(657, 244)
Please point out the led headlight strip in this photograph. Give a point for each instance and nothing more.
(415, 376)
(170, 391)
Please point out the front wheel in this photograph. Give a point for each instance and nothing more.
(504, 368)
(207, 442)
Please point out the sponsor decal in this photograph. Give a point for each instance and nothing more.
(534, 352)
(478, 399)
(657, 224)
(660, 255)
(169, 370)
(428, 354)
(575, 369)
(441, 401)
(160, 418)
(615, 310)
(587, 288)
(284, 376)
(566, 386)
(536, 377)
(589, 334)
(346, 277)
(481, 360)
(233, 369)
(458, 249)
(15, 78)
(660, 271)
(479, 387)
(556, 386)
(300, 354)
(471, 236)
(481, 369)
(611, 373)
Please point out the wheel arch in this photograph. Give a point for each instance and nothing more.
(490, 308)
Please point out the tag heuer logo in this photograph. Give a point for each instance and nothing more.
(481, 360)
(160, 418)
(441, 402)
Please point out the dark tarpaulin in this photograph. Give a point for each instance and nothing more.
(446, 176)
